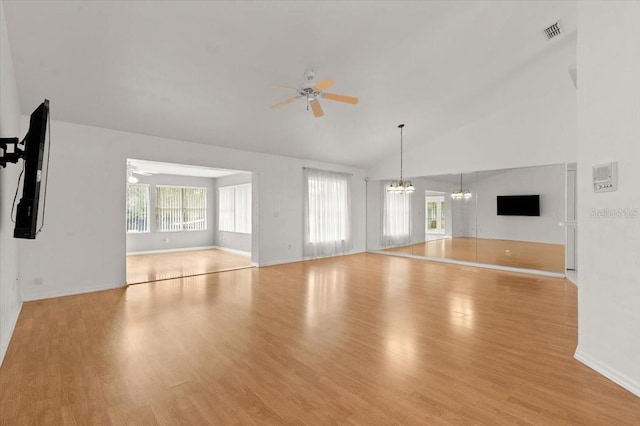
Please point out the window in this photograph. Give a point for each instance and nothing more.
(234, 208)
(327, 213)
(396, 220)
(181, 208)
(137, 208)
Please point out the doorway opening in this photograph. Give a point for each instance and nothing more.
(184, 220)
(436, 212)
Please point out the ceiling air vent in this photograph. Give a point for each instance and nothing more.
(553, 30)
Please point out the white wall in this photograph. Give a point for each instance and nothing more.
(10, 301)
(154, 240)
(609, 247)
(83, 246)
(233, 240)
(539, 128)
(546, 181)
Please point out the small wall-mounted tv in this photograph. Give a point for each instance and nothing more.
(518, 205)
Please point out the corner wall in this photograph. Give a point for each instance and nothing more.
(609, 247)
(10, 301)
(83, 245)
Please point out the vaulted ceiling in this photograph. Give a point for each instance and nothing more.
(205, 71)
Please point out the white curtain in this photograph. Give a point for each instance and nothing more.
(327, 213)
(396, 217)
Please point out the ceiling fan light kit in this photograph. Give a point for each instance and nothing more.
(131, 169)
(312, 90)
(401, 186)
(131, 178)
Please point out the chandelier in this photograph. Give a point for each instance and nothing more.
(461, 194)
(401, 186)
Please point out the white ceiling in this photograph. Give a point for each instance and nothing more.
(204, 71)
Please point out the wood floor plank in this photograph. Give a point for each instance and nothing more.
(142, 268)
(363, 339)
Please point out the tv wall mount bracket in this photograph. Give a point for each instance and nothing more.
(10, 157)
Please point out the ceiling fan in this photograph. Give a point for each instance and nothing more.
(131, 169)
(311, 90)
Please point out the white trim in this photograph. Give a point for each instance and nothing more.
(230, 250)
(134, 253)
(477, 265)
(235, 185)
(608, 372)
(53, 293)
(181, 186)
(572, 276)
(4, 346)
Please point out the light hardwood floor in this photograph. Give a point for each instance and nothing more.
(517, 254)
(178, 264)
(363, 339)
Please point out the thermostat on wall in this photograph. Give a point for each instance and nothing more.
(605, 177)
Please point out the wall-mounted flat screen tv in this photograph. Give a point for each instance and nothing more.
(27, 212)
(518, 205)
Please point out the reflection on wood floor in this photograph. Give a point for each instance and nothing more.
(161, 266)
(517, 254)
(363, 339)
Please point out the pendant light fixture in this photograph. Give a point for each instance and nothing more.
(401, 186)
(461, 194)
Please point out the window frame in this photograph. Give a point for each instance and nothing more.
(234, 211)
(181, 209)
(148, 208)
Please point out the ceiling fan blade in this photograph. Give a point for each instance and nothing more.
(283, 103)
(323, 84)
(340, 98)
(316, 108)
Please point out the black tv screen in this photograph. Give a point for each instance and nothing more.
(518, 205)
(27, 211)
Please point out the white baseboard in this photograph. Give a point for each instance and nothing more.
(608, 372)
(134, 253)
(4, 345)
(70, 292)
(230, 250)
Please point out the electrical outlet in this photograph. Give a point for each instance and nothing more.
(38, 281)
